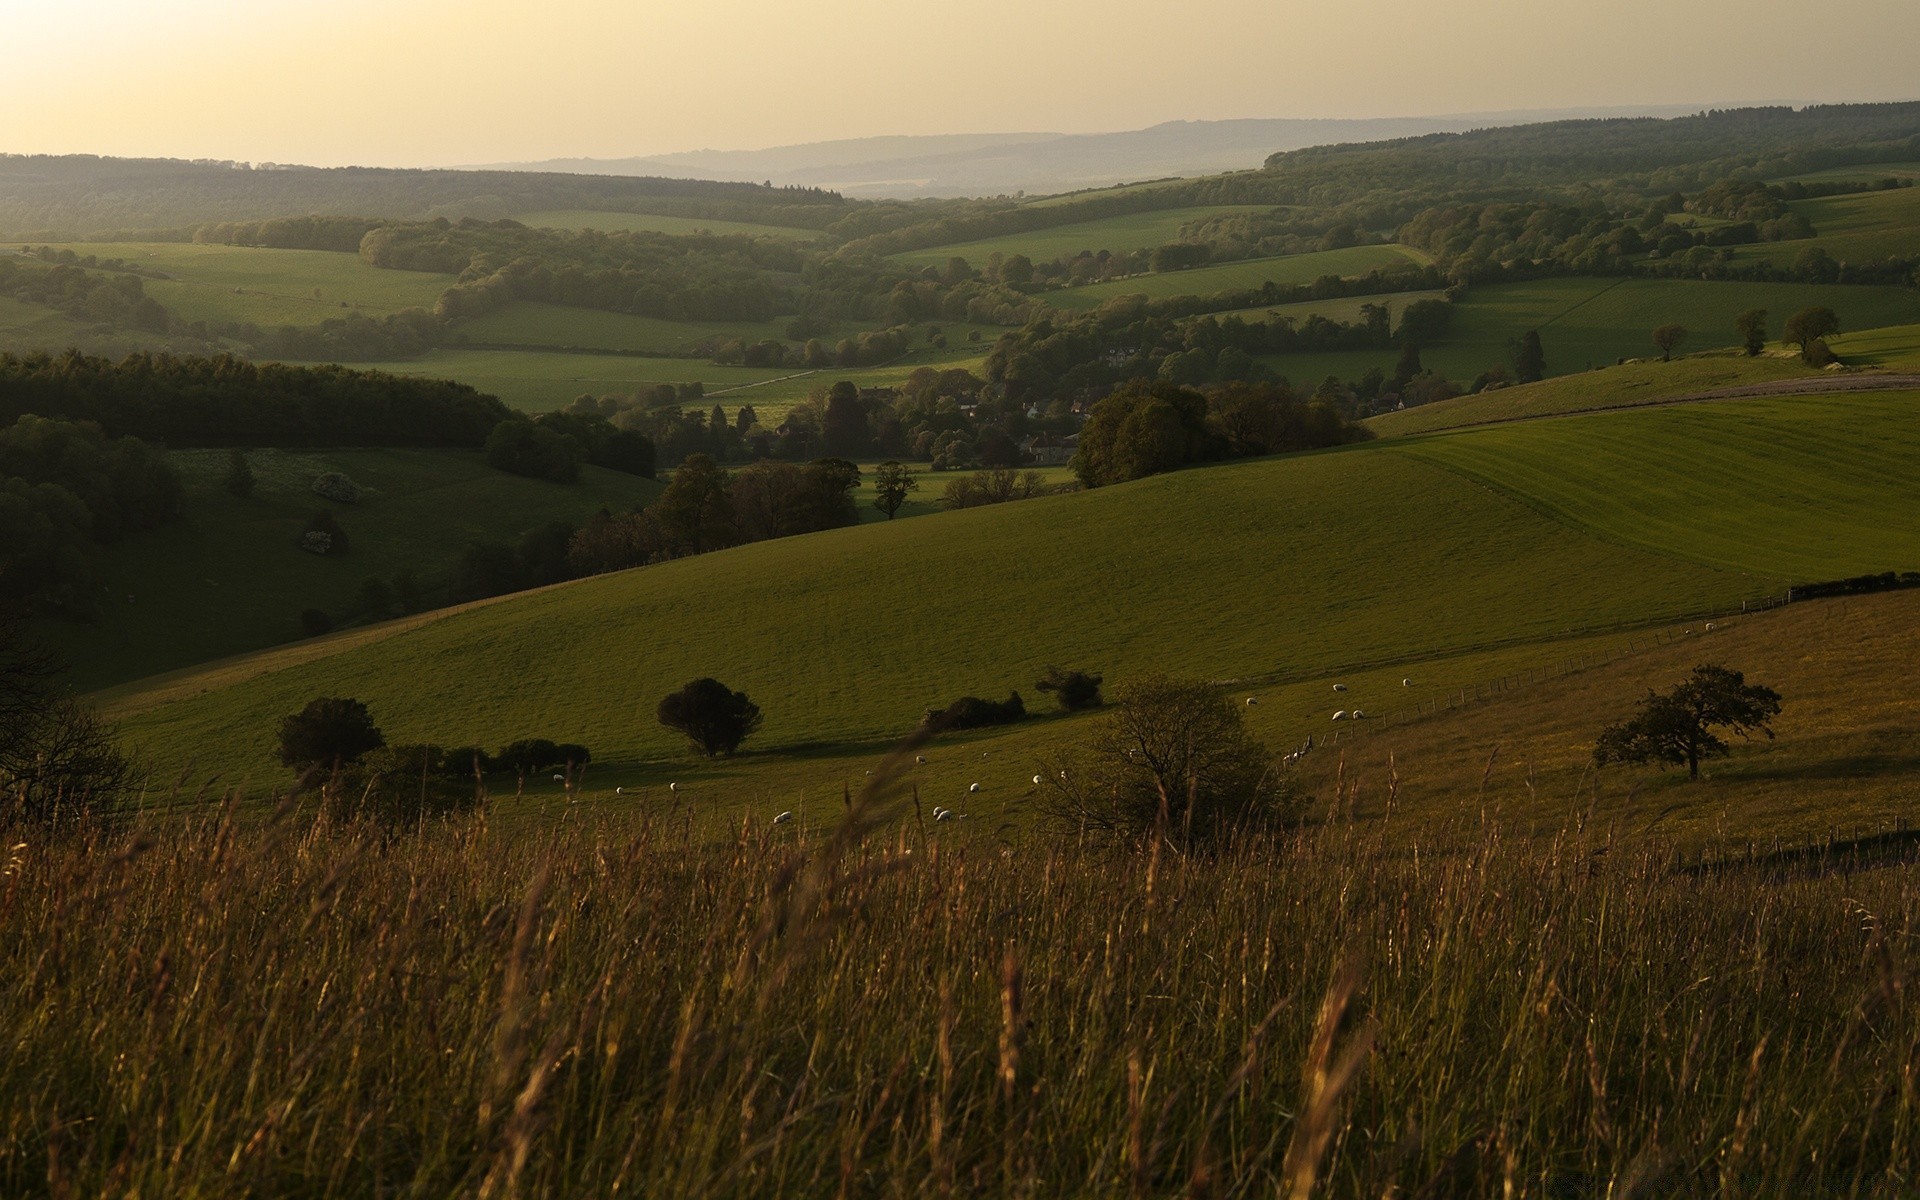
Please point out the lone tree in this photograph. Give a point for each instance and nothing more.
(891, 483)
(1678, 726)
(1808, 329)
(1751, 325)
(715, 718)
(1175, 761)
(1529, 358)
(1668, 339)
(330, 732)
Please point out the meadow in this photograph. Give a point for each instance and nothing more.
(1251, 273)
(1123, 234)
(659, 1006)
(1868, 172)
(229, 577)
(1346, 308)
(542, 381)
(625, 222)
(529, 323)
(1588, 323)
(269, 288)
(1861, 228)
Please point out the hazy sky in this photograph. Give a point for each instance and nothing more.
(423, 82)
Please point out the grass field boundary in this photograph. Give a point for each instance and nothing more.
(1583, 302)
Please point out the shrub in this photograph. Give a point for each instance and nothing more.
(971, 712)
(715, 718)
(1173, 760)
(59, 760)
(1074, 690)
(337, 487)
(538, 754)
(397, 785)
(332, 731)
(323, 536)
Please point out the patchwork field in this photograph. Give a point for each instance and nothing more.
(526, 322)
(269, 288)
(1135, 231)
(1206, 281)
(1344, 309)
(620, 222)
(541, 382)
(1857, 229)
(229, 577)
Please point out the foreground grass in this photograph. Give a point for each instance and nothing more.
(657, 1008)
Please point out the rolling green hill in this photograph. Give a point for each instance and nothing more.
(627, 222)
(526, 322)
(229, 578)
(1206, 281)
(1858, 229)
(1382, 553)
(1134, 231)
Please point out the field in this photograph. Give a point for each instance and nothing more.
(269, 288)
(1206, 281)
(534, 381)
(1868, 172)
(525, 322)
(229, 578)
(1344, 309)
(1606, 387)
(1135, 231)
(1587, 323)
(1858, 229)
(621, 222)
(1895, 347)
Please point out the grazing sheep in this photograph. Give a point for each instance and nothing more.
(559, 778)
(920, 758)
(783, 818)
(1406, 683)
(619, 791)
(944, 814)
(1253, 699)
(1358, 715)
(1036, 781)
(1341, 715)
(673, 787)
(973, 787)
(1709, 626)
(1339, 687)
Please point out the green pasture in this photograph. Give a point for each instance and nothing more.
(1896, 347)
(1868, 172)
(1252, 273)
(1134, 231)
(925, 500)
(538, 381)
(1586, 323)
(1607, 387)
(1858, 228)
(624, 222)
(229, 578)
(1346, 308)
(1274, 569)
(1807, 487)
(269, 288)
(529, 323)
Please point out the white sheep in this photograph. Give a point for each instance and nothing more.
(1253, 699)
(1036, 781)
(973, 787)
(783, 818)
(1406, 683)
(559, 778)
(945, 814)
(1339, 687)
(1341, 715)
(920, 758)
(1709, 626)
(619, 791)
(673, 787)
(1358, 715)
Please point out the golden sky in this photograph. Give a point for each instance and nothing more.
(429, 82)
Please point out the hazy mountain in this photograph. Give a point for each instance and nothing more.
(995, 163)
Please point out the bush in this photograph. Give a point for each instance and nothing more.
(60, 762)
(715, 718)
(971, 712)
(330, 732)
(1074, 690)
(397, 785)
(336, 487)
(323, 536)
(529, 755)
(1175, 761)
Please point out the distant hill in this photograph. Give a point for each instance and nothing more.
(996, 164)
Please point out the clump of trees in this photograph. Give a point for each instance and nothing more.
(1173, 761)
(58, 759)
(521, 447)
(996, 486)
(971, 712)
(1147, 428)
(1679, 727)
(714, 717)
(330, 733)
(1074, 690)
(1809, 329)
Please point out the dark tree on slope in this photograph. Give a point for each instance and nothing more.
(1529, 359)
(715, 718)
(891, 483)
(1668, 338)
(1809, 329)
(1751, 325)
(57, 758)
(329, 732)
(1677, 727)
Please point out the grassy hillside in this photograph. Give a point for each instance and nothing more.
(526, 322)
(1310, 563)
(626, 222)
(1343, 309)
(266, 287)
(229, 578)
(1867, 172)
(1134, 231)
(540, 382)
(1205, 281)
(1860, 228)
(1608, 387)
(1894, 347)
(1587, 323)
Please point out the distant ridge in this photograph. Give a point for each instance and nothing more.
(1002, 163)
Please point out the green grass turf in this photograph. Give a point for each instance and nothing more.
(1860, 228)
(1810, 487)
(1306, 564)
(1134, 231)
(228, 578)
(1896, 347)
(1609, 387)
(1586, 323)
(1868, 171)
(275, 287)
(925, 500)
(1206, 281)
(1344, 309)
(620, 222)
(525, 322)
(537, 381)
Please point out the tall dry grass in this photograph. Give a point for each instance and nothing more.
(656, 1007)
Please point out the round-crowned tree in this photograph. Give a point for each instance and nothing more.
(333, 731)
(714, 717)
